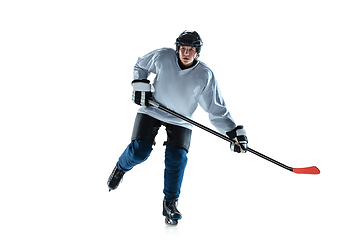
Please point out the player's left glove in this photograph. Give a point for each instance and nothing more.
(238, 134)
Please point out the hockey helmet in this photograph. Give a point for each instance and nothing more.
(189, 38)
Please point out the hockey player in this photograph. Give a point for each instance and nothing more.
(181, 83)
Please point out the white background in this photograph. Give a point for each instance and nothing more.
(288, 71)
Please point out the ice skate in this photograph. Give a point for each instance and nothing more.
(172, 215)
(115, 178)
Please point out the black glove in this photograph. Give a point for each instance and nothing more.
(238, 134)
(141, 92)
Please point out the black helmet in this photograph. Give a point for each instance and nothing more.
(189, 38)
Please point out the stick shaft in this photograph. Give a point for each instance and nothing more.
(216, 133)
(190, 121)
(270, 159)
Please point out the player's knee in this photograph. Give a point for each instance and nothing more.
(141, 149)
(176, 155)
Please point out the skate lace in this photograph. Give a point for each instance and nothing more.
(172, 205)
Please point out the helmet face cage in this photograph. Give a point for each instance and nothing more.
(189, 38)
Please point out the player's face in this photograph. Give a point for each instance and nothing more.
(187, 55)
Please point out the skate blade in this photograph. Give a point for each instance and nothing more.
(171, 222)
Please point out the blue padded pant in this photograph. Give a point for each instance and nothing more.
(175, 162)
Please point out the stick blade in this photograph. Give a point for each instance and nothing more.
(308, 170)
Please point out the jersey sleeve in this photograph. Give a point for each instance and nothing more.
(213, 103)
(146, 65)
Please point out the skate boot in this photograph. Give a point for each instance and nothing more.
(115, 178)
(172, 215)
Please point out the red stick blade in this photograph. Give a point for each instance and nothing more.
(308, 170)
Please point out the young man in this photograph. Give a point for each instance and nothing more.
(181, 83)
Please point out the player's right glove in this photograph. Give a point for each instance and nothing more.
(141, 92)
(238, 134)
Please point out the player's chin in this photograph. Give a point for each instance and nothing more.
(186, 62)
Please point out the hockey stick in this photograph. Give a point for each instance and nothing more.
(307, 170)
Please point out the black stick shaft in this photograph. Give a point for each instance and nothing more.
(270, 159)
(157, 105)
(190, 121)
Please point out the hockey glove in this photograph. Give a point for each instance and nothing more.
(238, 134)
(141, 92)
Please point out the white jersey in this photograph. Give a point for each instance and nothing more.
(182, 90)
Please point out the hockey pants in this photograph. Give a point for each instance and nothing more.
(177, 145)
